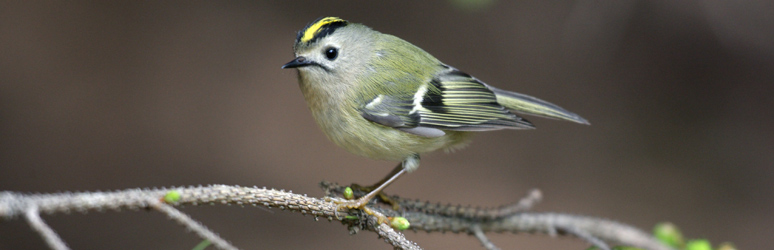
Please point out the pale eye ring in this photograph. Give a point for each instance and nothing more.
(331, 53)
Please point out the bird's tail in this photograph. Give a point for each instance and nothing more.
(533, 106)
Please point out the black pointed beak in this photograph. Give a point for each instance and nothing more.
(296, 63)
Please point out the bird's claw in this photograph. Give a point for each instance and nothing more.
(360, 204)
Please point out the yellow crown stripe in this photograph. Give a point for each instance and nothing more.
(314, 28)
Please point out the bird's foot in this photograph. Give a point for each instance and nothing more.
(361, 204)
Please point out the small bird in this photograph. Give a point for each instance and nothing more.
(381, 97)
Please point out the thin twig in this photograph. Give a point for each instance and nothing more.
(192, 225)
(588, 238)
(483, 239)
(52, 239)
(533, 197)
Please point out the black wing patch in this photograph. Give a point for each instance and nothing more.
(456, 101)
(452, 100)
(396, 113)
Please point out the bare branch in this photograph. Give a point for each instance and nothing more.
(548, 223)
(432, 217)
(14, 204)
(422, 215)
(526, 203)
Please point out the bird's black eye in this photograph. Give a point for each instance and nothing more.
(331, 53)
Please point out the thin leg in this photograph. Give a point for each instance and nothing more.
(391, 176)
(379, 186)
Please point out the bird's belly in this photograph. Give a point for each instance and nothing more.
(362, 137)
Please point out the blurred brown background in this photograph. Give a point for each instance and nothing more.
(109, 95)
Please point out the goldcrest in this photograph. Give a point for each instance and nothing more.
(381, 97)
